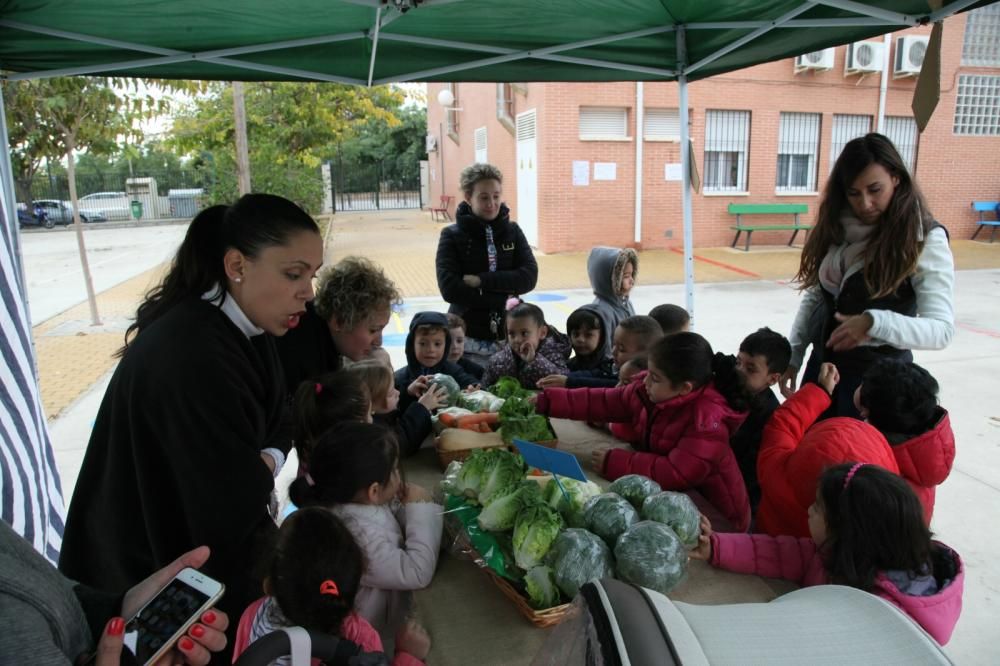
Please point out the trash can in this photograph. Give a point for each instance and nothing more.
(137, 210)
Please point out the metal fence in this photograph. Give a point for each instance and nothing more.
(165, 195)
(358, 186)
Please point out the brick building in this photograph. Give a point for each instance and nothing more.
(770, 133)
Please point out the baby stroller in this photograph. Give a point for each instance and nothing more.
(613, 623)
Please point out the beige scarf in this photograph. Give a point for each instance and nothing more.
(841, 257)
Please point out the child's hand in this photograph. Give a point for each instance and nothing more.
(418, 386)
(597, 458)
(828, 377)
(526, 351)
(415, 493)
(703, 551)
(434, 397)
(787, 382)
(413, 640)
(552, 380)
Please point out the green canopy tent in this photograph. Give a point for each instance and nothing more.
(367, 42)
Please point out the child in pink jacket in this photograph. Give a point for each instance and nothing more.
(683, 410)
(867, 531)
(314, 578)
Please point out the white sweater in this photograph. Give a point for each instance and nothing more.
(401, 552)
(931, 328)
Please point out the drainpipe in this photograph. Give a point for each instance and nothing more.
(884, 84)
(639, 111)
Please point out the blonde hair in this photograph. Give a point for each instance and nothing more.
(474, 173)
(353, 289)
(376, 376)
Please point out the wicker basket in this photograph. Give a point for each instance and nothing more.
(540, 618)
(446, 457)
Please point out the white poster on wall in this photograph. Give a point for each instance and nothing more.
(672, 171)
(605, 170)
(581, 173)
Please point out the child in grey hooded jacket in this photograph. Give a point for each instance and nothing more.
(613, 273)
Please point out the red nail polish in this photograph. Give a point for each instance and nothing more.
(116, 627)
(197, 631)
(208, 617)
(186, 644)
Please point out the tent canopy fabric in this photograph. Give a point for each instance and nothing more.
(375, 41)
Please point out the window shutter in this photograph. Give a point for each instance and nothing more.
(662, 124)
(603, 122)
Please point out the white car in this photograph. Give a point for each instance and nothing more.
(113, 205)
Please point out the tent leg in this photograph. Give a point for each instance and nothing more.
(686, 174)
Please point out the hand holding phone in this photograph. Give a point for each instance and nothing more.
(165, 618)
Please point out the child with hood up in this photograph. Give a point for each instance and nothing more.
(427, 347)
(612, 272)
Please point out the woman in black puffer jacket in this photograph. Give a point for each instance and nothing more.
(482, 260)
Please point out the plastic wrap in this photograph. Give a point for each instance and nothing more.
(468, 541)
(572, 508)
(480, 401)
(608, 515)
(436, 420)
(449, 482)
(536, 529)
(579, 556)
(635, 488)
(678, 512)
(651, 555)
(541, 587)
(448, 383)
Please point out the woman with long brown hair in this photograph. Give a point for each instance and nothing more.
(877, 273)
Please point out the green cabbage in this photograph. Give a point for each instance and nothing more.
(473, 473)
(579, 492)
(578, 557)
(519, 420)
(635, 488)
(677, 511)
(608, 515)
(536, 527)
(507, 387)
(649, 554)
(448, 383)
(501, 512)
(541, 587)
(502, 477)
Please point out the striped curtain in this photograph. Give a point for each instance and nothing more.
(30, 492)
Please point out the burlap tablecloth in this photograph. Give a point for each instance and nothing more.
(470, 620)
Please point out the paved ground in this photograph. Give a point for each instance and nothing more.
(736, 293)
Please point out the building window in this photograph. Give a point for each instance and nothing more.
(798, 147)
(662, 125)
(845, 128)
(977, 108)
(452, 114)
(727, 149)
(603, 123)
(981, 46)
(505, 105)
(479, 140)
(902, 131)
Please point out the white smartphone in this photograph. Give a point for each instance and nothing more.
(169, 614)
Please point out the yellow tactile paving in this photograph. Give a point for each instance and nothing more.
(404, 243)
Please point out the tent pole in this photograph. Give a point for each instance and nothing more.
(685, 174)
(13, 234)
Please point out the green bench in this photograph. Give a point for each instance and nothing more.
(739, 210)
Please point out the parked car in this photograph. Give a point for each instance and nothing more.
(61, 212)
(113, 205)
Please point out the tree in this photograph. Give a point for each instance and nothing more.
(398, 148)
(68, 114)
(31, 139)
(291, 128)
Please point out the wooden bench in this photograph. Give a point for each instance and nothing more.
(740, 210)
(987, 207)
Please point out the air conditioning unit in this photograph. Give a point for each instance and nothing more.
(864, 58)
(431, 143)
(910, 52)
(817, 60)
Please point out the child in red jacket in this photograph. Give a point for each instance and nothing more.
(866, 530)
(900, 399)
(685, 407)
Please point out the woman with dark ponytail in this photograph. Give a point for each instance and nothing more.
(187, 437)
(685, 406)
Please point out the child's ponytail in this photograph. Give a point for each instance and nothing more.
(874, 523)
(731, 383)
(319, 405)
(316, 570)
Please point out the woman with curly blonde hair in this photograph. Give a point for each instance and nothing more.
(877, 272)
(354, 300)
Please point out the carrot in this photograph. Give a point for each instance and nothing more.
(448, 420)
(481, 418)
